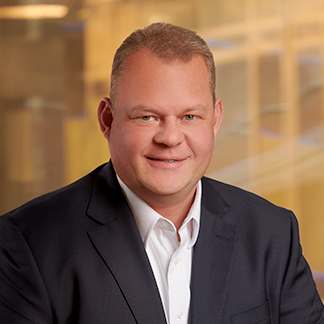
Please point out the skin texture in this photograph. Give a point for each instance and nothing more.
(161, 130)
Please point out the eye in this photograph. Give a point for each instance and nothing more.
(190, 117)
(146, 118)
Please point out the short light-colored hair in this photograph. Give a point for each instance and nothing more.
(168, 42)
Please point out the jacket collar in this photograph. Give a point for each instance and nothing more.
(106, 201)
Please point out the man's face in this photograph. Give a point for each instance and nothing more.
(161, 133)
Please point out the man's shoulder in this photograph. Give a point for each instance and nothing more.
(231, 192)
(243, 204)
(72, 196)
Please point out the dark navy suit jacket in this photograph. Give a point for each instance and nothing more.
(76, 256)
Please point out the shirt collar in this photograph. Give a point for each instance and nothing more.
(146, 217)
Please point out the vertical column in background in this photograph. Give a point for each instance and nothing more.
(252, 95)
(86, 147)
(290, 121)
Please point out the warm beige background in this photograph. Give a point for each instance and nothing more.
(269, 56)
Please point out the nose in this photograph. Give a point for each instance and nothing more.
(169, 133)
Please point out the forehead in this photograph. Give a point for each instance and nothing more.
(143, 63)
(147, 79)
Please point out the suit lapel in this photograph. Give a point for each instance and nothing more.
(212, 260)
(120, 246)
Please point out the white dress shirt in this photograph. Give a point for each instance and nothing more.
(170, 258)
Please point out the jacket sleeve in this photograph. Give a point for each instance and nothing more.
(300, 302)
(23, 297)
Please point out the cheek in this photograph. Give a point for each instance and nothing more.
(129, 141)
(202, 143)
(118, 143)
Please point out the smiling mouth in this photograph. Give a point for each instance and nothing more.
(163, 160)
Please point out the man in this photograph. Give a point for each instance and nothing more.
(146, 238)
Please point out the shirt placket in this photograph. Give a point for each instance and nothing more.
(178, 282)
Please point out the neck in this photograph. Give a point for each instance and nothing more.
(175, 211)
(173, 207)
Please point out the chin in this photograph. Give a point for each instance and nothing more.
(166, 189)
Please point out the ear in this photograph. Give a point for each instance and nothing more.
(105, 117)
(218, 115)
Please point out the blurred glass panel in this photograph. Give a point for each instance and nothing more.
(231, 148)
(270, 98)
(311, 94)
(32, 100)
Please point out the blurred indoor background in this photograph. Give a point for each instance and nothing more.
(55, 67)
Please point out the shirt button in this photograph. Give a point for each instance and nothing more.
(165, 223)
(179, 314)
(176, 261)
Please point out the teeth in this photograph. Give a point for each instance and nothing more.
(168, 160)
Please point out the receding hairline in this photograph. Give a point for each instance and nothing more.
(146, 51)
(167, 60)
(166, 42)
